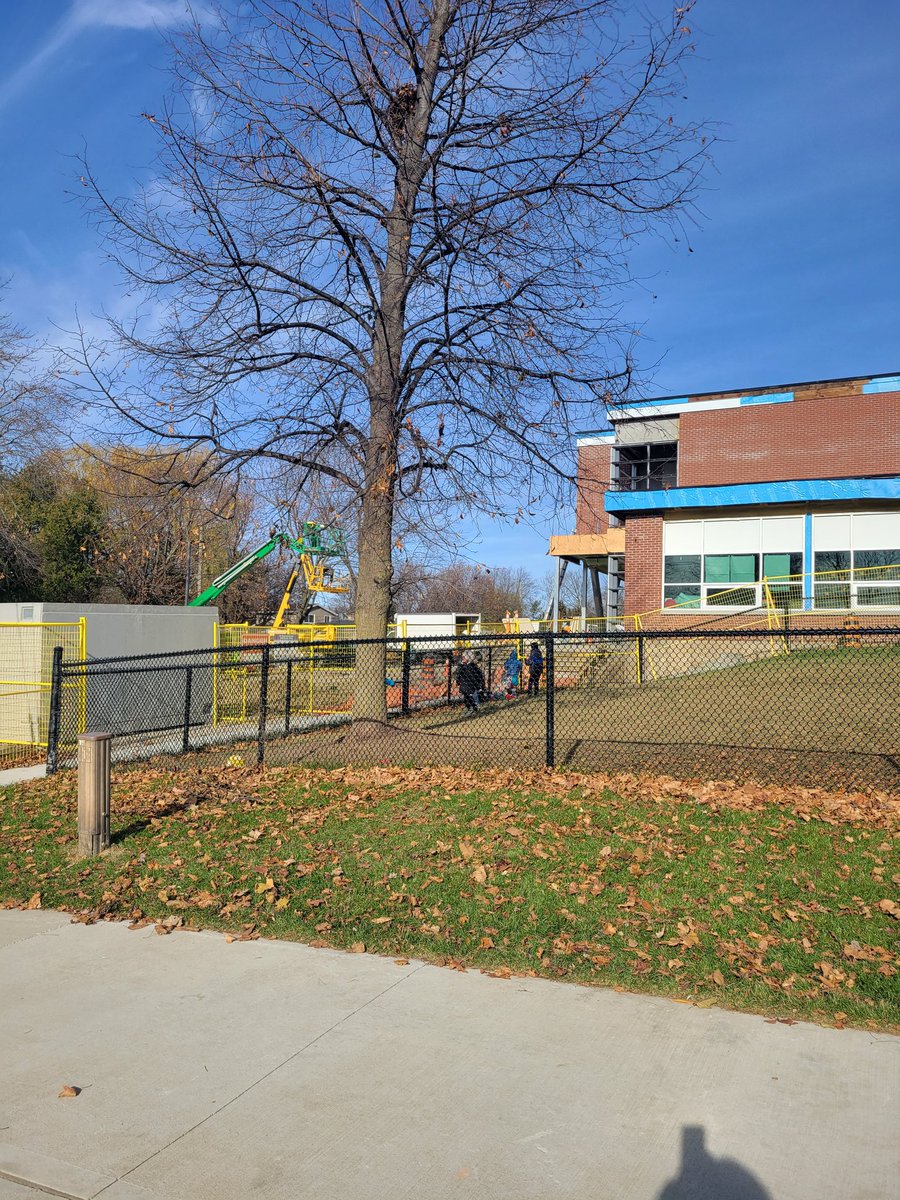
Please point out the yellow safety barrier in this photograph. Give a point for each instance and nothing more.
(26, 664)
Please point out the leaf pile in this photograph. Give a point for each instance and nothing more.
(776, 900)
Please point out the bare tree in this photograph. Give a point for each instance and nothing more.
(384, 245)
(29, 409)
(29, 397)
(471, 587)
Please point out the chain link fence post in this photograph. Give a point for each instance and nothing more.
(186, 725)
(287, 699)
(263, 705)
(404, 686)
(53, 717)
(550, 698)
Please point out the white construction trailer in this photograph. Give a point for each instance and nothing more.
(437, 624)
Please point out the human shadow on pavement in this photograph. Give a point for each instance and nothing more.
(703, 1177)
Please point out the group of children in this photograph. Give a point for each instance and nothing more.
(471, 682)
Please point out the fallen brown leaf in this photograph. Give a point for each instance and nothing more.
(69, 1092)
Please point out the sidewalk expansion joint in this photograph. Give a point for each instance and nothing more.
(272, 1071)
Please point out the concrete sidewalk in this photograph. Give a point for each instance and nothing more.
(273, 1070)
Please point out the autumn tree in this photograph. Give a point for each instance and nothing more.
(383, 244)
(170, 527)
(54, 525)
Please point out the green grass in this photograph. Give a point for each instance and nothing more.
(743, 899)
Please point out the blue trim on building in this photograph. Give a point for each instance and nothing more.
(795, 491)
(887, 383)
(808, 565)
(768, 398)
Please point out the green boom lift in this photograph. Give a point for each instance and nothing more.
(315, 544)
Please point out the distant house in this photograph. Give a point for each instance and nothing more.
(687, 504)
(320, 615)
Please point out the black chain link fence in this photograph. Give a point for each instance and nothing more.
(810, 706)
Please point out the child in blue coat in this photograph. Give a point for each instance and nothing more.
(512, 673)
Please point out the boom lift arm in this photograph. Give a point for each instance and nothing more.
(218, 585)
(314, 543)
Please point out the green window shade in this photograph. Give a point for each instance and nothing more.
(730, 568)
(717, 568)
(777, 566)
(743, 568)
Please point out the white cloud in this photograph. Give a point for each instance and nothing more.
(85, 15)
(130, 14)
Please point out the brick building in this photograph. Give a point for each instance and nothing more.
(687, 504)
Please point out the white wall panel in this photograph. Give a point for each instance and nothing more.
(876, 531)
(683, 537)
(831, 532)
(740, 536)
(782, 534)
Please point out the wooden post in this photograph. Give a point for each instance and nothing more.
(93, 791)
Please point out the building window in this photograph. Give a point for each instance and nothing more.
(682, 581)
(783, 573)
(743, 562)
(647, 468)
(857, 578)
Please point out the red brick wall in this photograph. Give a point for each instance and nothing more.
(591, 483)
(643, 564)
(825, 436)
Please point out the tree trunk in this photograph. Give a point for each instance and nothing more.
(373, 584)
(373, 592)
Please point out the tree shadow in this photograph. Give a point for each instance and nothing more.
(703, 1177)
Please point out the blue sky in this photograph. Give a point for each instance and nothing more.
(792, 270)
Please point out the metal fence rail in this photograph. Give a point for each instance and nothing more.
(780, 705)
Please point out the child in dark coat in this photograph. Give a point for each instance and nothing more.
(535, 664)
(470, 680)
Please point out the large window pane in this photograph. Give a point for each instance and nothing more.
(679, 596)
(730, 568)
(871, 565)
(739, 597)
(835, 564)
(832, 595)
(787, 595)
(780, 566)
(682, 568)
(878, 597)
